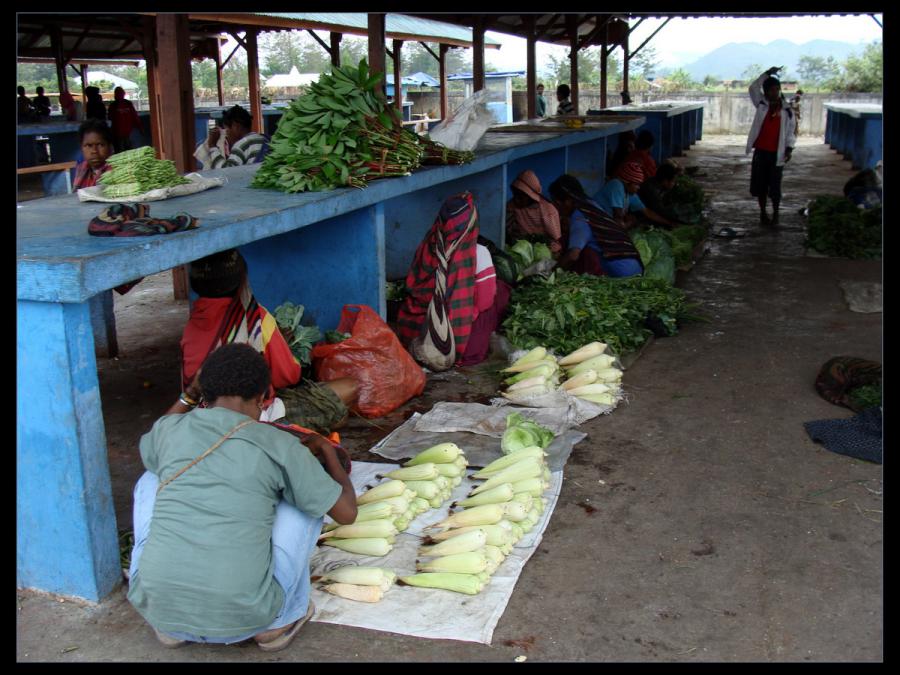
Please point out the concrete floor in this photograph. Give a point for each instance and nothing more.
(697, 523)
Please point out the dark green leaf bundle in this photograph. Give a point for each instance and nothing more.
(837, 227)
(565, 311)
(685, 200)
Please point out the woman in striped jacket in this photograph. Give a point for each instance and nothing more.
(244, 145)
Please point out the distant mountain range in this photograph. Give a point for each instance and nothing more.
(730, 61)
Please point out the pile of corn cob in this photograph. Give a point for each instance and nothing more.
(590, 374)
(138, 171)
(474, 542)
(425, 482)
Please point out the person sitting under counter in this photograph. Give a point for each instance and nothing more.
(96, 145)
(619, 198)
(243, 145)
(529, 212)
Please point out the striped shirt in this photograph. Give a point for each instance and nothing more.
(565, 108)
(249, 150)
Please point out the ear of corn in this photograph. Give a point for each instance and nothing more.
(461, 462)
(609, 375)
(602, 399)
(527, 468)
(359, 575)
(449, 470)
(501, 493)
(584, 353)
(399, 505)
(486, 514)
(509, 460)
(437, 454)
(595, 388)
(540, 373)
(374, 511)
(514, 511)
(425, 471)
(420, 505)
(391, 488)
(425, 489)
(374, 547)
(355, 592)
(597, 363)
(517, 531)
(442, 482)
(535, 381)
(471, 562)
(535, 354)
(401, 522)
(533, 486)
(469, 541)
(495, 535)
(366, 529)
(448, 581)
(456, 480)
(545, 474)
(494, 557)
(484, 577)
(587, 377)
(529, 392)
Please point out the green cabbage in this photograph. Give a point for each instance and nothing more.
(541, 252)
(522, 433)
(523, 251)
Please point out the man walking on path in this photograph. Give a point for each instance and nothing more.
(772, 139)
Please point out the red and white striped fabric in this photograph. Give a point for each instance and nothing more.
(485, 280)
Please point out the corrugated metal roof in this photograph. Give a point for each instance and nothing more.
(397, 24)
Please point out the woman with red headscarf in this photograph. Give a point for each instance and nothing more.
(123, 119)
(530, 213)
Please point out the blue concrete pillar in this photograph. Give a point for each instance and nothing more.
(323, 266)
(66, 540)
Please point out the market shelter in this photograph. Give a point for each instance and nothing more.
(66, 532)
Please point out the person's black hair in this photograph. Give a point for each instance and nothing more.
(644, 140)
(39, 91)
(20, 90)
(234, 369)
(218, 275)
(771, 82)
(666, 172)
(539, 84)
(567, 187)
(238, 115)
(563, 90)
(96, 126)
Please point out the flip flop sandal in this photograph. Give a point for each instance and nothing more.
(285, 639)
(169, 642)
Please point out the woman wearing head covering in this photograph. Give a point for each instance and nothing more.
(123, 119)
(448, 289)
(597, 244)
(641, 153)
(226, 312)
(530, 213)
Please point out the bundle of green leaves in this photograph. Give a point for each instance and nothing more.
(837, 227)
(300, 339)
(656, 254)
(564, 311)
(686, 200)
(523, 433)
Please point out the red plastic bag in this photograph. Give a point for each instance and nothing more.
(388, 376)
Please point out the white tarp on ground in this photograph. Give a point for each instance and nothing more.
(425, 612)
(862, 296)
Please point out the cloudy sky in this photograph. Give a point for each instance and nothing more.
(682, 41)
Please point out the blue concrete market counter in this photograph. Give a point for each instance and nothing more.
(323, 250)
(855, 131)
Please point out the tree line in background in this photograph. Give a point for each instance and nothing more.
(280, 51)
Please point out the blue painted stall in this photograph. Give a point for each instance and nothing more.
(323, 250)
(855, 131)
(676, 125)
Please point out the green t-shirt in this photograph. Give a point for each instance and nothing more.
(207, 566)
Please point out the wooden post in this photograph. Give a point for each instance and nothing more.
(572, 27)
(219, 86)
(398, 77)
(149, 46)
(442, 73)
(253, 77)
(531, 70)
(59, 59)
(604, 59)
(176, 108)
(84, 80)
(376, 48)
(478, 55)
(336, 48)
(625, 63)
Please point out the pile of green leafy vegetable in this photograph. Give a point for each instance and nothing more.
(395, 290)
(564, 311)
(300, 339)
(523, 433)
(866, 396)
(656, 254)
(837, 227)
(527, 252)
(686, 200)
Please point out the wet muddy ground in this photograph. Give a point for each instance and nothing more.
(696, 523)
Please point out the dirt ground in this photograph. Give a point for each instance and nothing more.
(696, 523)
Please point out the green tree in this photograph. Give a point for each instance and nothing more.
(588, 68)
(280, 51)
(710, 81)
(816, 70)
(645, 62)
(680, 80)
(751, 72)
(863, 73)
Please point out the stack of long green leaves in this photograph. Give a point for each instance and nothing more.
(685, 200)
(138, 171)
(565, 311)
(837, 227)
(343, 134)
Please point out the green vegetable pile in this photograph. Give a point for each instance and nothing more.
(332, 337)
(137, 171)
(523, 433)
(342, 134)
(395, 290)
(685, 200)
(300, 339)
(656, 254)
(866, 396)
(565, 311)
(837, 227)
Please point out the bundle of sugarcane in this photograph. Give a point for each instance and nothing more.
(137, 171)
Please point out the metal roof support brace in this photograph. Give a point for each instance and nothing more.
(652, 35)
(876, 21)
